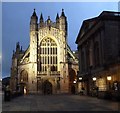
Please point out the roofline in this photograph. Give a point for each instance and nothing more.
(103, 14)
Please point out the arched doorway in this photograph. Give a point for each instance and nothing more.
(23, 82)
(23, 88)
(47, 87)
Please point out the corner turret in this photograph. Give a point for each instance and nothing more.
(33, 37)
(33, 22)
(63, 22)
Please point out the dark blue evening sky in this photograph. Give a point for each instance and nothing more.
(16, 19)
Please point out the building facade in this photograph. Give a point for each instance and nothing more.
(44, 66)
(99, 54)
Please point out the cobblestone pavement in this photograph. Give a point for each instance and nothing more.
(59, 103)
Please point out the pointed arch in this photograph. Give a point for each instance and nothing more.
(47, 55)
(24, 76)
(47, 87)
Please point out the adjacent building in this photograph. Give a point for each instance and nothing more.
(99, 54)
(45, 66)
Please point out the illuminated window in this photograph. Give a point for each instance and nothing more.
(48, 55)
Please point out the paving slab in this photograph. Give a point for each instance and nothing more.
(59, 103)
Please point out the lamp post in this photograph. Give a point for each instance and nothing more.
(80, 85)
(74, 81)
(80, 78)
(94, 81)
(74, 87)
(109, 79)
(94, 78)
(94, 93)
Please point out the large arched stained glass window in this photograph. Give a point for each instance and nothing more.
(47, 55)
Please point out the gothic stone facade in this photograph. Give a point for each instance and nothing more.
(99, 52)
(44, 66)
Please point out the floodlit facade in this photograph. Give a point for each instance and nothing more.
(99, 54)
(44, 67)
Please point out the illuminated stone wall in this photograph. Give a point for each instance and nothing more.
(44, 67)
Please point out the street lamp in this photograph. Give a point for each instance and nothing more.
(80, 84)
(94, 78)
(94, 92)
(109, 79)
(80, 78)
(74, 81)
(94, 81)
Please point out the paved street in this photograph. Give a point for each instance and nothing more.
(59, 103)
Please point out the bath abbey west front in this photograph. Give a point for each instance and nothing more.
(47, 66)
